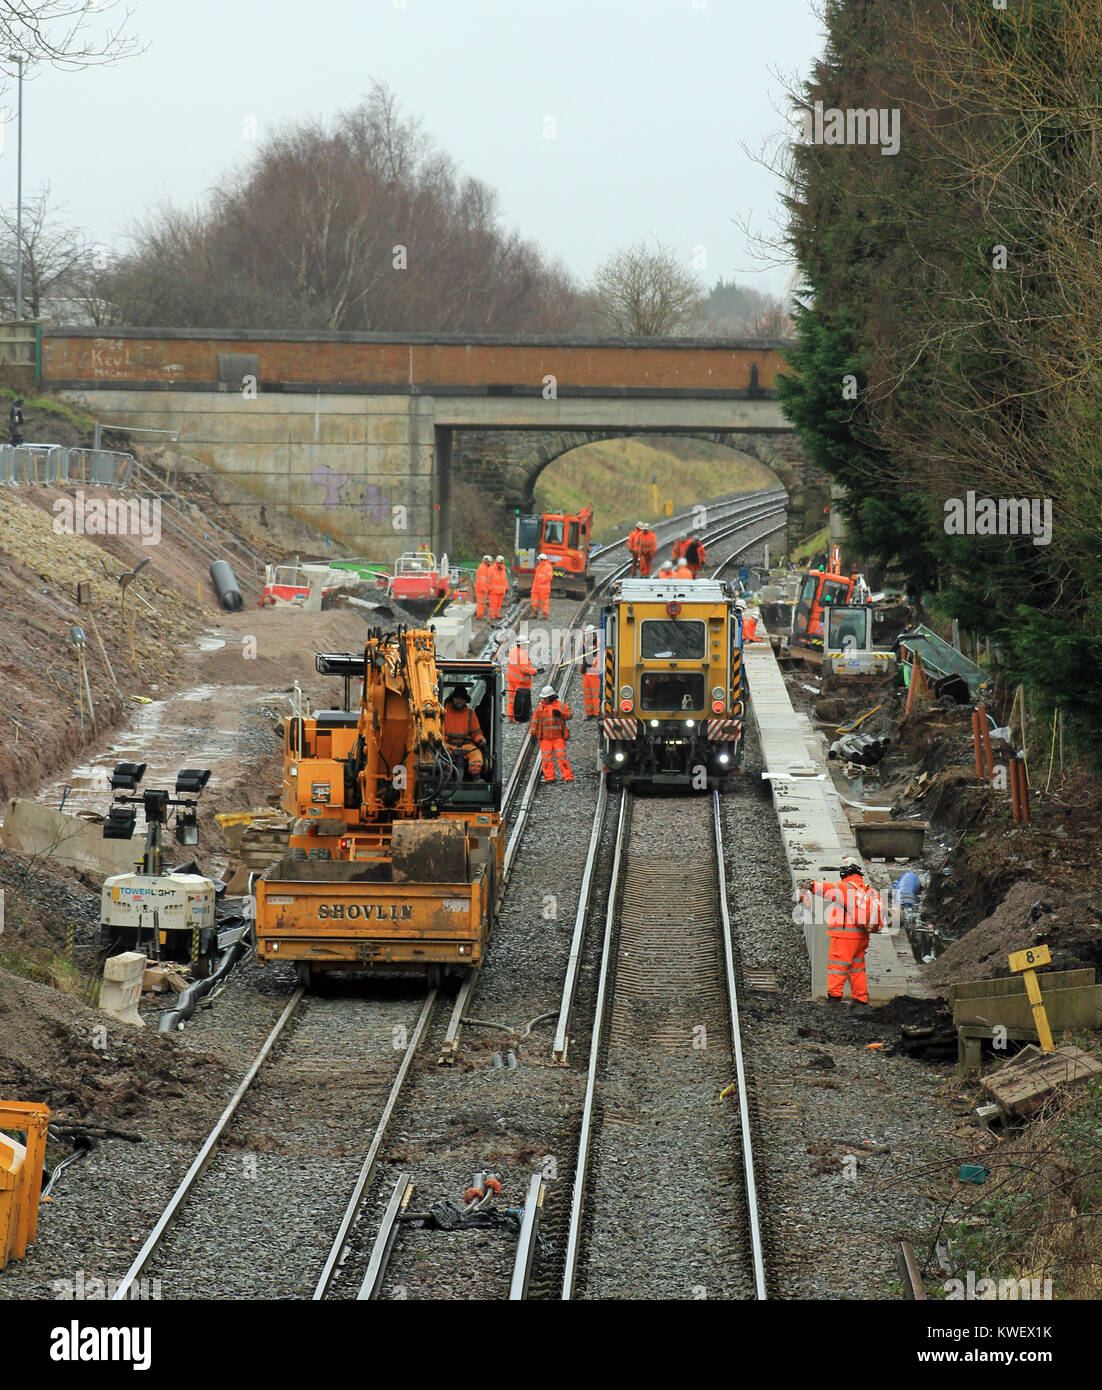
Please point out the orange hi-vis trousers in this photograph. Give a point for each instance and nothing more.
(553, 750)
(591, 690)
(846, 960)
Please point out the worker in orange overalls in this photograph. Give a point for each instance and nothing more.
(648, 549)
(499, 587)
(679, 547)
(681, 570)
(666, 570)
(694, 554)
(550, 725)
(482, 585)
(590, 668)
(541, 588)
(853, 911)
(518, 674)
(633, 543)
(463, 732)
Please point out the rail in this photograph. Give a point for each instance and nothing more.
(367, 1170)
(203, 1157)
(606, 991)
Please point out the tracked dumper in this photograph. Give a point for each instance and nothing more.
(395, 848)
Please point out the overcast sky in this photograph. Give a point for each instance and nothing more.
(649, 103)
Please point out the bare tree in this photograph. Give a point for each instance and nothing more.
(359, 225)
(57, 257)
(66, 33)
(647, 293)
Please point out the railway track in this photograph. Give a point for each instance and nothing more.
(655, 1141)
(211, 1195)
(346, 1048)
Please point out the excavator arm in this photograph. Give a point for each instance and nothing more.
(401, 725)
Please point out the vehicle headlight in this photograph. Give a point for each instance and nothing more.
(654, 723)
(689, 723)
(619, 757)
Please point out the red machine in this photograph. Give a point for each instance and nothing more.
(564, 538)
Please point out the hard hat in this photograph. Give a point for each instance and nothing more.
(488, 559)
(523, 641)
(640, 525)
(548, 692)
(542, 555)
(500, 560)
(590, 627)
(644, 525)
(849, 867)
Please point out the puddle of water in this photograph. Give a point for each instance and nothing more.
(200, 727)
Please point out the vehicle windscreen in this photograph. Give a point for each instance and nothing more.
(672, 692)
(666, 639)
(553, 531)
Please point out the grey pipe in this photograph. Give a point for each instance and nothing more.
(221, 576)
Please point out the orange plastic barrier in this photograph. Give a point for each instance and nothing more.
(20, 1176)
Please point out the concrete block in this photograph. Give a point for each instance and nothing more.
(72, 840)
(122, 987)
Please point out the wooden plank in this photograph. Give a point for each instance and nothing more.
(1066, 1008)
(1022, 1086)
(1014, 984)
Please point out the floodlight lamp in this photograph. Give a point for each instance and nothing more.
(126, 776)
(187, 829)
(77, 636)
(119, 824)
(192, 780)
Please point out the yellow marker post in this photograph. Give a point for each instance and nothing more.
(1027, 962)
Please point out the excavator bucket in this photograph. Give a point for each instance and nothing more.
(429, 851)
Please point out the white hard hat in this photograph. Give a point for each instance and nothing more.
(590, 627)
(548, 692)
(849, 865)
(523, 641)
(500, 560)
(644, 525)
(640, 525)
(542, 555)
(487, 559)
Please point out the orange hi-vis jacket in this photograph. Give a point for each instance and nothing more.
(499, 579)
(461, 725)
(695, 554)
(679, 548)
(482, 578)
(634, 541)
(520, 669)
(852, 906)
(549, 721)
(648, 546)
(541, 579)
(683, 571)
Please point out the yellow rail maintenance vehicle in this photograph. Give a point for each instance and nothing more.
(672, 697)
(396, 844)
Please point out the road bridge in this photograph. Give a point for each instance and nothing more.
(360, 435)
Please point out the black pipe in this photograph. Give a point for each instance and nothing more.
(187, 1001)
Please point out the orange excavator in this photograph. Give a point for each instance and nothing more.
(396, 844)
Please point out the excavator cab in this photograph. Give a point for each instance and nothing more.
(481, 679)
